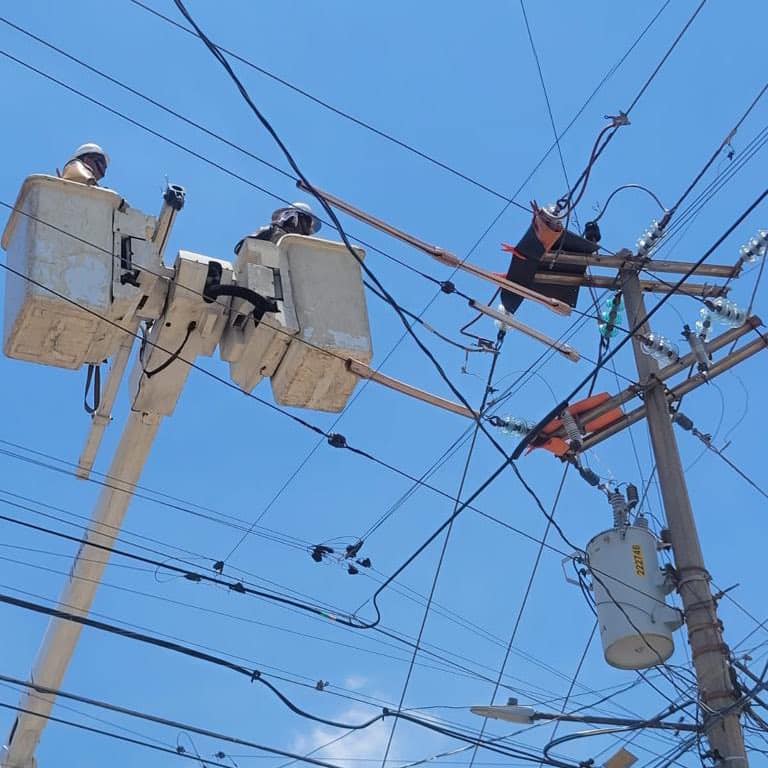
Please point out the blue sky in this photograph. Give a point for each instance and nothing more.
(459, 83)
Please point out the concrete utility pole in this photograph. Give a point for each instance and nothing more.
(709, 652)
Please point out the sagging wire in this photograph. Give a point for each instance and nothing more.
(642, 187)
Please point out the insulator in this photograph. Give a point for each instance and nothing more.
(611, 316)
(501, 327)
(619, 506)
(641, 521)
(725, 311)
(511, 425)
(698, 348)
(660, 348)
(571, 428)
(756, 248)
(650, 238)
(633, 497)
(704, 324)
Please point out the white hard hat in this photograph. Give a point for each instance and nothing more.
(90, 149)
(299, 206)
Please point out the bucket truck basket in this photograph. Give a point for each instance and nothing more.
(305, 348)
(76, 253)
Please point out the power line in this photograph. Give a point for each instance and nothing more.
(196, 577)
(449, 615)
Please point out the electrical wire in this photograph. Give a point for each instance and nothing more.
(619, 189)
(196, 577)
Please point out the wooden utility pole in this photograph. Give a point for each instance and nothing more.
(710, 654)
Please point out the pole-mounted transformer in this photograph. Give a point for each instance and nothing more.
(630, 589)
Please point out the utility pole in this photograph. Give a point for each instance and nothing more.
(709, 652)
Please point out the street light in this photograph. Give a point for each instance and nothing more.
(512, 712)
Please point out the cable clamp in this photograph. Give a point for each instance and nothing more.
(237, 587)
(255, 676)
(447, 286)
(618, 120)
(336, 440)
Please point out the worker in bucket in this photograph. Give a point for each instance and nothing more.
(296, 219)
(87, 165)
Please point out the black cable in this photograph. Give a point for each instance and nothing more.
(448, 666)
(623, 187)
(120, 737)
(196, 576)
(564, 403)
(174, 355)
(189, 574)
(232, 739)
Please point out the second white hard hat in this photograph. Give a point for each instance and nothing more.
(304, 208)
(90, 149)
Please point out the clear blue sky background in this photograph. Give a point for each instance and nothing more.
(457, 81)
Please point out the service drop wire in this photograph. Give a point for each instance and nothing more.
(633, 331)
